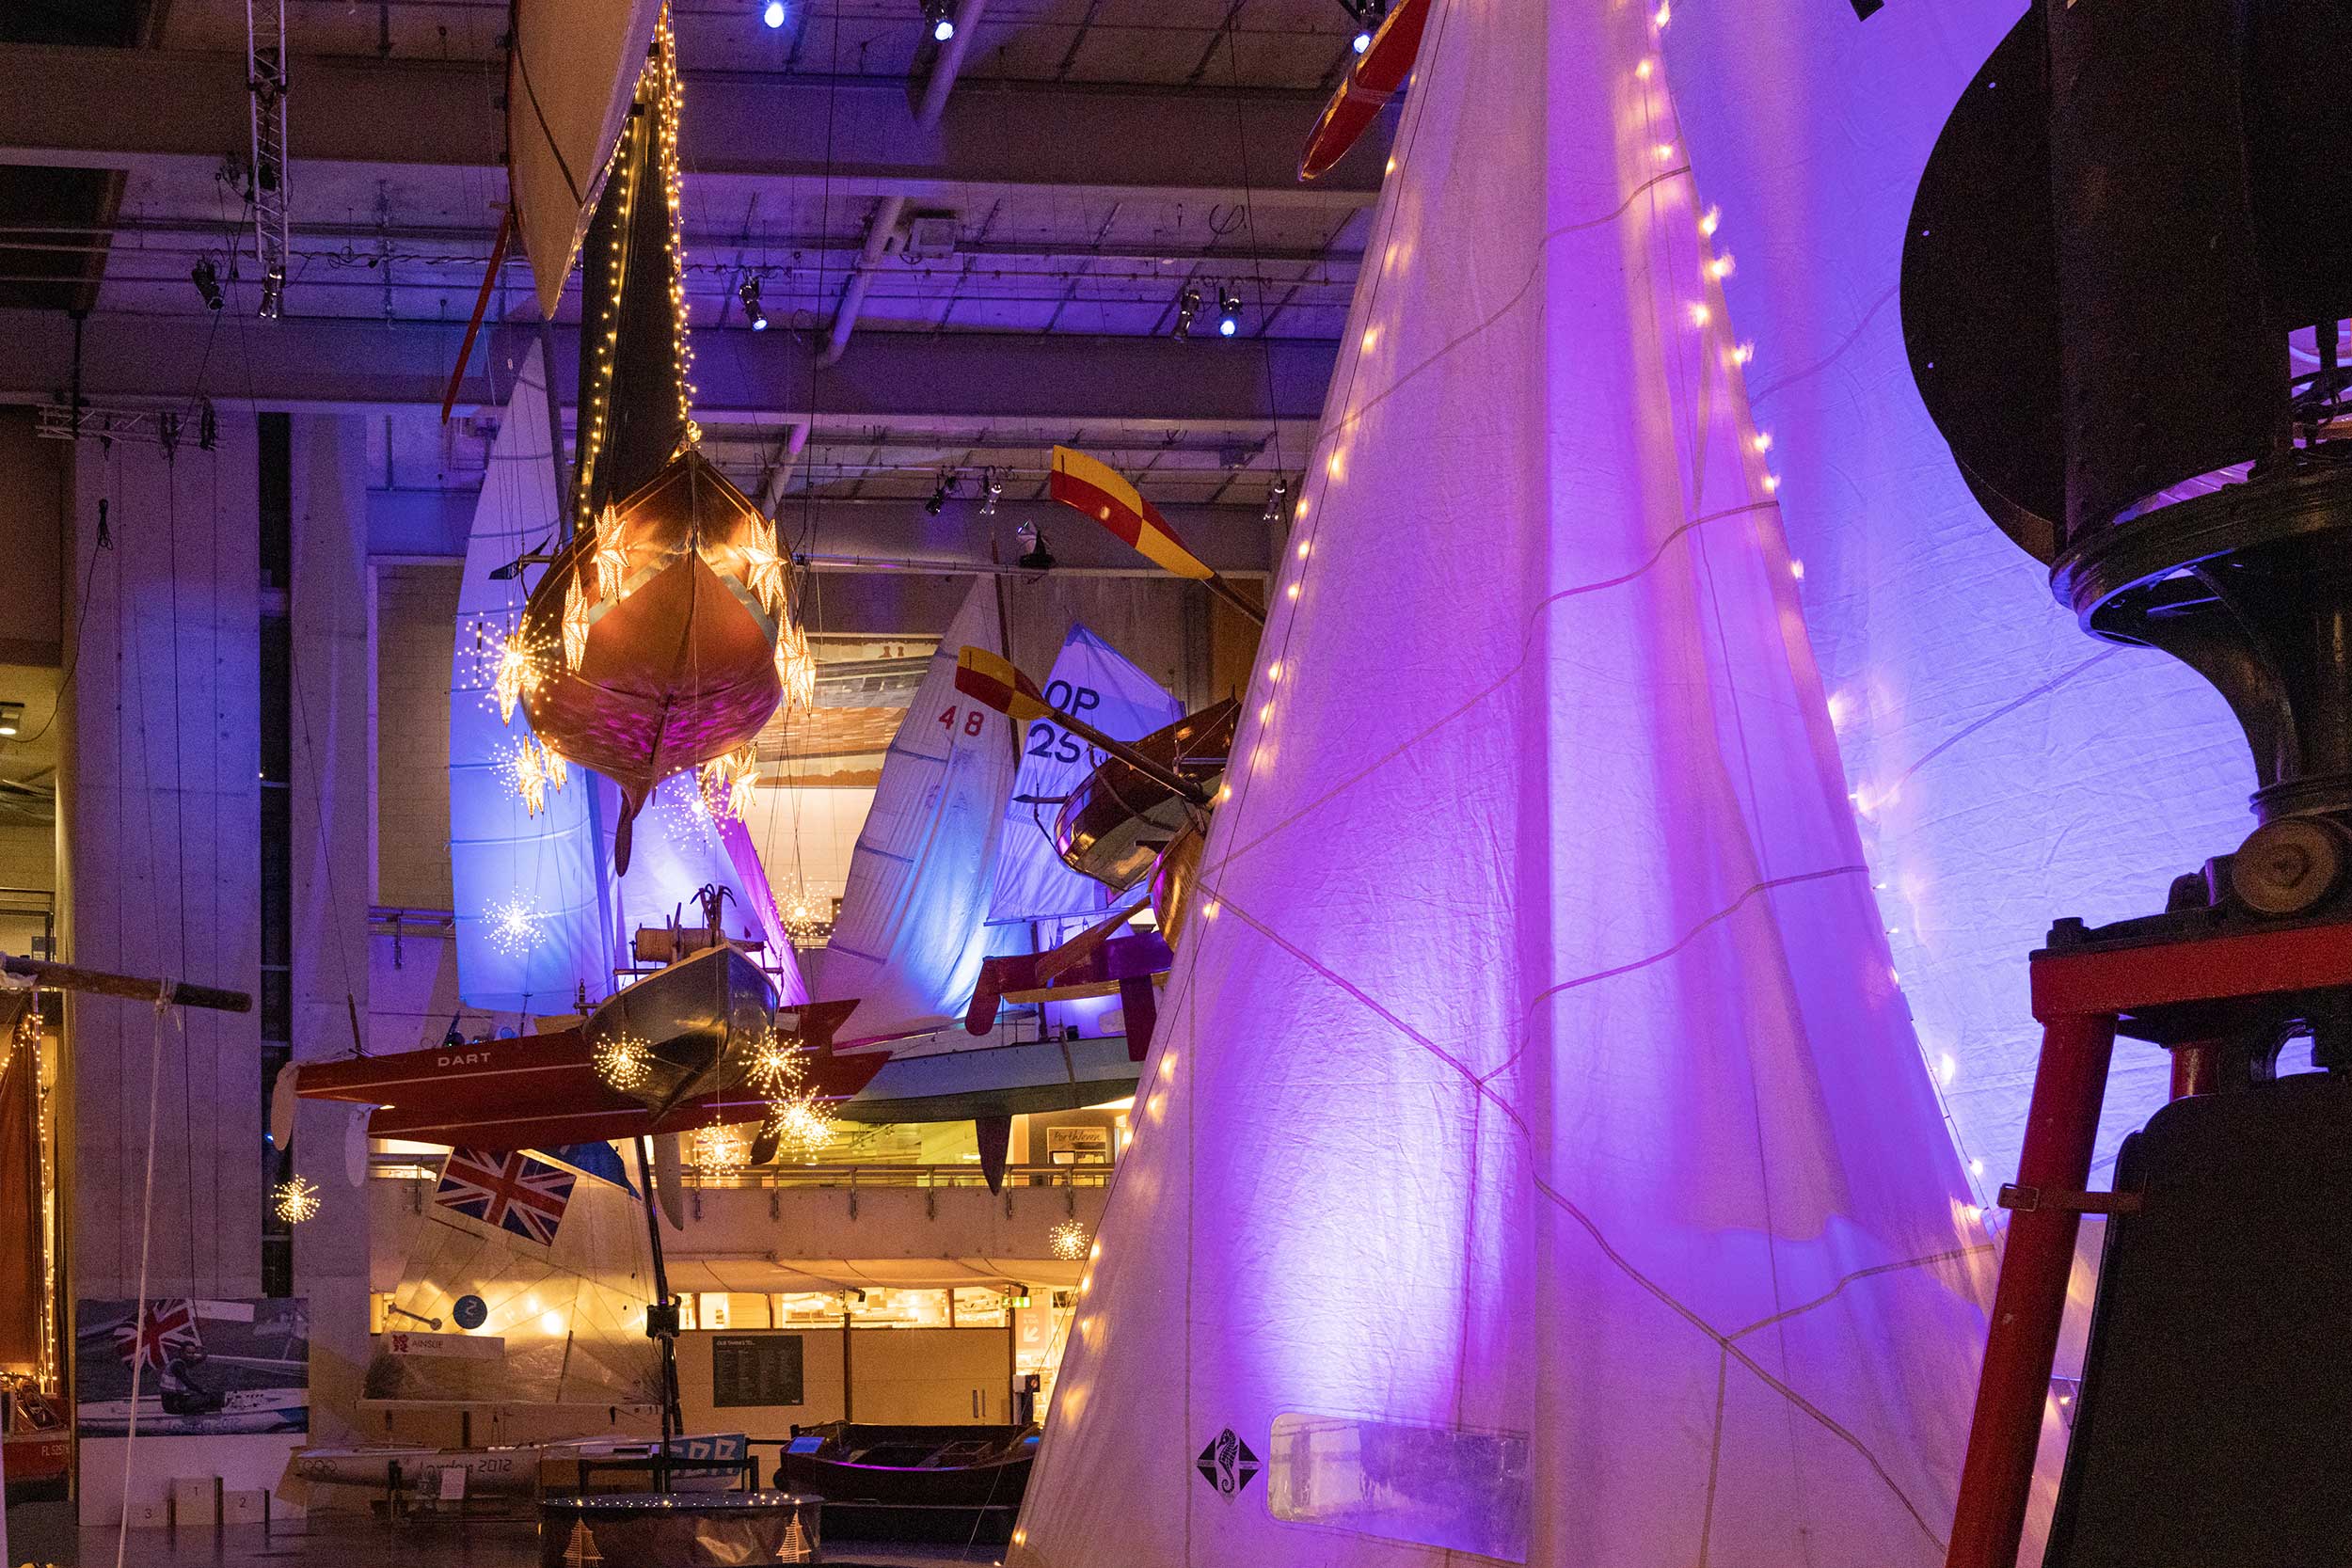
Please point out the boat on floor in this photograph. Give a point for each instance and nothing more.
(912, 1483)
(711, 1463)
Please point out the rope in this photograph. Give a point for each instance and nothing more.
(146, 1226)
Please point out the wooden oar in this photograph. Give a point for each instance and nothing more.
(66, 977)
(994, 682)
(1091, 485)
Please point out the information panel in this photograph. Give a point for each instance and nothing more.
(755, 1368)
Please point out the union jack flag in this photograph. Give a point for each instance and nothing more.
(513, 1192)
(157, 1335)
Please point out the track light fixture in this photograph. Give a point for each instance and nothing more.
(1228, 312)
(1368, 15)
(207, 278)
(748, 292)
(773, 15)
(991, 486)
(273, 293)
(939, 20)
(1187, 307)
(1274, 495)
(938, 502)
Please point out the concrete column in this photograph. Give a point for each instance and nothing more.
(330, 817)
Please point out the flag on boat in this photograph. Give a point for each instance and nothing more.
(1095, 488)
(157, 1335)
(513, 1192)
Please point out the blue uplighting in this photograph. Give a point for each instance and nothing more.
(773, 15)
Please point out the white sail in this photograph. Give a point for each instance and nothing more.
(1091, 681)
(573, 69)
(911, 933)
(531, 893)
(1534, 1163)
(550, 1250)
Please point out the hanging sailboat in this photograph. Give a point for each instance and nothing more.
(1536, 1163)
(907, 943)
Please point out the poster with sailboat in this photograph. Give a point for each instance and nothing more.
(203, 1367)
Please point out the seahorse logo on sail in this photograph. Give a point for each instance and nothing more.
(1227, 1463)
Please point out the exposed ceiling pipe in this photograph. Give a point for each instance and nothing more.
(779, 470)
(950, 60)
(881, 235)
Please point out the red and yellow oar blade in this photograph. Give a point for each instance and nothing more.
(1379, 73)
(992, 682)
(1087, 485)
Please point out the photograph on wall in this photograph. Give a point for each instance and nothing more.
(204, 1367)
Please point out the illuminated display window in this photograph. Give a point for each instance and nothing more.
(1434, 1486)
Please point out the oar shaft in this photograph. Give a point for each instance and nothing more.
(1234, 596)
(66, 977)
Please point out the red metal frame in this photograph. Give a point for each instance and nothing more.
(2080, 997)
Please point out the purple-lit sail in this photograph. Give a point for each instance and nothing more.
(682, 847)
(532, 903)
(907, 943)
(1092, 681)
(1534, 1159)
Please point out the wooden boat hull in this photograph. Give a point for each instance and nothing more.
(677, 667)
(912, 1483)
(697, 1021)
(1117, 821)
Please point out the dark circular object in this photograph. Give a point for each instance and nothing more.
(470, 1312)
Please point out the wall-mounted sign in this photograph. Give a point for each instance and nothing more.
(756, 1369)
(1078, 1146)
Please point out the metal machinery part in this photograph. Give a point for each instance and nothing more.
(2121, 286)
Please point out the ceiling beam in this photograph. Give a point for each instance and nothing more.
(134, 109)
(744, 377)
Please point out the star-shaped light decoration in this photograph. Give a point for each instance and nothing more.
(796, 667)
(729, 784)
(1068, 1241)
(763, 572)
(575, 624)
(611, 559)
(520, 670)
(526, 774)
(513, 925)
(294, 1200)
(720, 1150)
(551, 762)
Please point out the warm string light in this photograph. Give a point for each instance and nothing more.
(294, 1200)
(668, 101)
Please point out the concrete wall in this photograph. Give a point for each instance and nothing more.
(160, 805)
(416, 609)
(33, 479)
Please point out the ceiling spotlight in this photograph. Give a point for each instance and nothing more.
(1228, 312)
(938, 502)
(748, 292)
(992, 488)
(942, 23)
(1362, 41)
(273, 293)
(1187, 307)
(1367, 14)
(1274, 500)
(207, 278)
(1034, 557)
(773, 15)
(11, 718)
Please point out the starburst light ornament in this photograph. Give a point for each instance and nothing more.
(802, 1128)
(1068, 1241)
(805, 918)
(513, 925)
(624, 1061)
(720, 1150)
(294, 1200)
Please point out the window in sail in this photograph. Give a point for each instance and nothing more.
(1434, 1486)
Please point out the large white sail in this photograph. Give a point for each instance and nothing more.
(1534, 1163)
(571, 72)
(911, 934)
(533, 904)
(1094, 682)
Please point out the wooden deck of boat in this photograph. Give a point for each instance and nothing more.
(350, 1542)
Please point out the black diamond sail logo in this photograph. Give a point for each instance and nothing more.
(1227, 1463)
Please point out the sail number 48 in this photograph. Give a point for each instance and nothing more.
(971, 719)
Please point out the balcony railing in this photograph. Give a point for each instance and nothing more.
(409, 1167)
